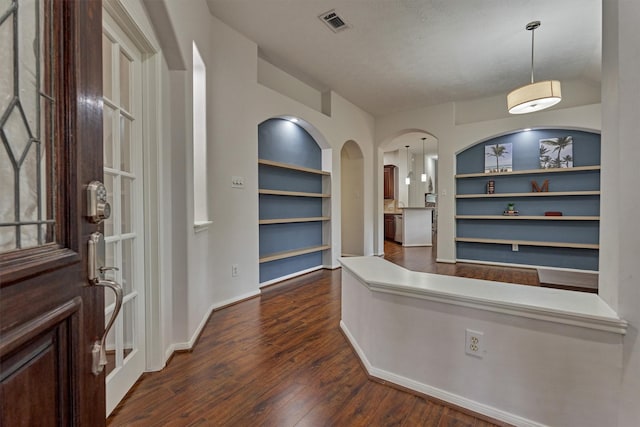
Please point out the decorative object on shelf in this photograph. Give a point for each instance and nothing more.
(556, 152)
(491, 186)
(407, 180)
(536, 189)
(553, 213)
(503, 154)
(430, 185)
(534, 96)
(511, 210)
(423, 177)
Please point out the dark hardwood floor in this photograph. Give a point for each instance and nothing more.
(281, 360)
(423, 258)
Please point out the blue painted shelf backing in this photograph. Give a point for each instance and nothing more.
(525, 147)
(285, 142)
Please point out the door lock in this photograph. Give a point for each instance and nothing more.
(98, 209)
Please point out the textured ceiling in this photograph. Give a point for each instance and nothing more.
(404, 54)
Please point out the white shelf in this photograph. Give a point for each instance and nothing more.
(531, 194)
(289, 254)
(292, 167)
(529, 243)
(530, 171)
(292, 193)
(531, 217)
(292, 220)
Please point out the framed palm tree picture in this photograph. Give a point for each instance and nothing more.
(556, 152)
(498, 157)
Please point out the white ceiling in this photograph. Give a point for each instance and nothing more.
(405, 54)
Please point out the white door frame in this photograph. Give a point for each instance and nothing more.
(157, 261)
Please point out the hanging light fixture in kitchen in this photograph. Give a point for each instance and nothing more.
(423, 177)
(534, 96)
(407, 180)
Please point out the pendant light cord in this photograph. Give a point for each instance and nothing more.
(531, 26)
(533, 30)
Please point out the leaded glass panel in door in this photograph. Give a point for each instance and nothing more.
(27, 144)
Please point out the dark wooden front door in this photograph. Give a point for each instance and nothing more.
(50, 149)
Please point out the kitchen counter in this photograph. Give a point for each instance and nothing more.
(417, 226)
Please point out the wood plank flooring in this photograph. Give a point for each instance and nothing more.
(422, 258)
(281, 360)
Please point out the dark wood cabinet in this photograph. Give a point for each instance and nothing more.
(389, 182)
(389, 227)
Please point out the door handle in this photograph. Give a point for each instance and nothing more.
(96, 271)
(98, 350)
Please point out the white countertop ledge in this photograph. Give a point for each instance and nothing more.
(424, 208)
(553, 305)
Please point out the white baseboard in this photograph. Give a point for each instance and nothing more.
(443, 395)
(446, 261)
(167, 355)
(188, 345)
(291, 276)
(185, 346)
(233, 300)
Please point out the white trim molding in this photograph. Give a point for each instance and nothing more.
(554, 305)
(428, 390)
(199, 226)
(188, 345)
(290, 276)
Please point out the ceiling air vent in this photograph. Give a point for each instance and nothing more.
(333, 21)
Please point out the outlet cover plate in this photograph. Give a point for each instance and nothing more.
(474, 343)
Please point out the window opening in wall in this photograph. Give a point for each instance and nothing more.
(201, 214)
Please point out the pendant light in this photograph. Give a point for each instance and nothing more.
(407, 180)
(534, 96)
(423, 177)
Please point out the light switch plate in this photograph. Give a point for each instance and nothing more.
(237, 182)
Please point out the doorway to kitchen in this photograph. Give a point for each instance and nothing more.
(410, 162)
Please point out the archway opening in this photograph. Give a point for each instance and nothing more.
(352, 199)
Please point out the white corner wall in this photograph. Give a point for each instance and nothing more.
(192, 285)
(619, 233)
(237, 103)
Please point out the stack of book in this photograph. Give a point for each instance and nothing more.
(491, 187)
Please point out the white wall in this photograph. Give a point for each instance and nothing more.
(192, 284)
(619, 233)
(532, 373)
(237, 103)
(276, 79)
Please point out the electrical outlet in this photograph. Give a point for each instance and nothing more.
(474, 343)
(234, 270)
(514, 247)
